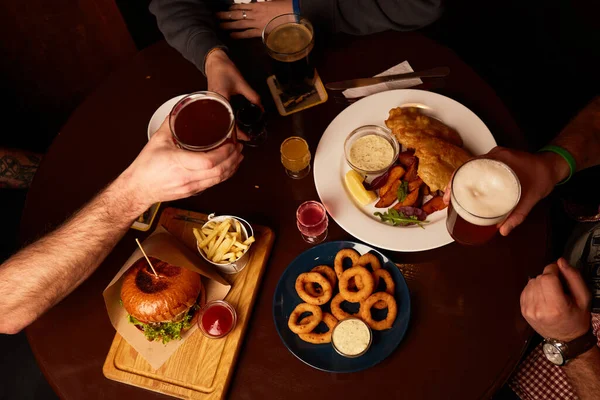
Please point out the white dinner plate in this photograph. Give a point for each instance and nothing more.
(161, 113)
(330, 168)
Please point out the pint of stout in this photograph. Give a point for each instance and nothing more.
(482, 194)
(289, 41)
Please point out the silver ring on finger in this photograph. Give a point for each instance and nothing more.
(230, 16)
(244, 15)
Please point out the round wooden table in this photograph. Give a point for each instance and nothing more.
(466, 334)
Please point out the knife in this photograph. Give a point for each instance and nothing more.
(354, 83)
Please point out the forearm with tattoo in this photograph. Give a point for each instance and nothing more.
(17, 168)
(584, 374)
(42, 274)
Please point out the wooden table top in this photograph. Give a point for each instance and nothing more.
(466, 333)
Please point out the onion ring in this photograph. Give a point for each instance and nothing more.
(320, 338)
(314, 277)
(305, 326)
(369, 259)
(337, 311)
(366, 316)
(312, 290)
(390, 286)
(327, 272)
(341, 255)
(368, 284)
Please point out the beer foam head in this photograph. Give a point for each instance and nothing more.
(289, 42)
(484, 191)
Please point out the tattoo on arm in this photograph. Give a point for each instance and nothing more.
(17, 168)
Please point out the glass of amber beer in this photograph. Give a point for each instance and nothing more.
(483, 193)
(201, 121)
(289, 40)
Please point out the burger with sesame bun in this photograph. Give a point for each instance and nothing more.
(163, 306)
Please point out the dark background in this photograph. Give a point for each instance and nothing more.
(541, 57)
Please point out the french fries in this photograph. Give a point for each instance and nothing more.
(222, 242)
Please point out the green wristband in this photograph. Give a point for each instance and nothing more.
(564, 154)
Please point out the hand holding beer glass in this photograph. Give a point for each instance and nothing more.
(483, 192)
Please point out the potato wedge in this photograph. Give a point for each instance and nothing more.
(407, 158)
(394, 175)
(434, 204)
(410, 200)
(426, 190)
(390, 196)
(414, 185)
(411, 173)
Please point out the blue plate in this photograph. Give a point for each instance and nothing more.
(323, 356)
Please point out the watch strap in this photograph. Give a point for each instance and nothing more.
(580, 345)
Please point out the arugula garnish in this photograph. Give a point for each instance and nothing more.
(394, 217)
(402, 191)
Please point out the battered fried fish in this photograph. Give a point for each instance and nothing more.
(411, 118)
(437, 158)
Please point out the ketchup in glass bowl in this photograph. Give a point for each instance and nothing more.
(217, 319)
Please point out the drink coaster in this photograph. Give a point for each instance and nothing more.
(287, 105)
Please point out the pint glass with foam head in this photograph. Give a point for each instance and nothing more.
(483, 193)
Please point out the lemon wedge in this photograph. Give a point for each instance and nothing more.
(354, 184)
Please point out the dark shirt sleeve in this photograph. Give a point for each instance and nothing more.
(189, 26)
(362, 17)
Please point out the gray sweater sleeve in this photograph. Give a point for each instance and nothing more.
(362, 17)
(189, 26)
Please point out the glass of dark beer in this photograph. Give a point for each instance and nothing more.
(289, 40)
(483, 193)
(201, 121)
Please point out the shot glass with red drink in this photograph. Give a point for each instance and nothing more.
(312, 221)
(201, 121)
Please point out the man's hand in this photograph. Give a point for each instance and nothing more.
(258, 16)
(224, 78)
(551, 311)
(163, 172)
(538, 174)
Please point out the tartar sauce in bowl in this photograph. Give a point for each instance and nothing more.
(371, 153)
(371, 149)
(351, 337)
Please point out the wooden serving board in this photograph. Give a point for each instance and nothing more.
(201, 368)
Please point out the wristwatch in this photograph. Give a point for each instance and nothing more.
(559, 352)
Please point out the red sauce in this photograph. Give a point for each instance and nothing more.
(311, 215)
(202, 123)
(217, 320)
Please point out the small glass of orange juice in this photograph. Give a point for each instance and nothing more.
(295, 157)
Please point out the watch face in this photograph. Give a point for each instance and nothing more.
(553, 354)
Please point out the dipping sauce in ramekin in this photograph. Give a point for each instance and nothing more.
(351, 337)
(217, 319)
(371, 150)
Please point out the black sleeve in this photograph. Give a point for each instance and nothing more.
(361, 17)
(189, 26)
